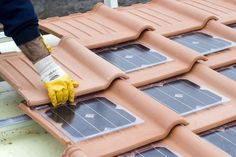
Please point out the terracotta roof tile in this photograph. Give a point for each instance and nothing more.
(223, 9)
(210, 97)
(100, 27)
(170, 146)
(167, 16)
(80, 63)
(155, 126)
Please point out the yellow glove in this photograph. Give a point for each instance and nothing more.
(59, 84)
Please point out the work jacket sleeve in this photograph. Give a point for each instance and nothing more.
(19, 20)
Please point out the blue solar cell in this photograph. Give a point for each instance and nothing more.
(229, 71)
(224, 138)
(203, 43)
(233, 26)
(131, 57)
(183, 96)
(90, 118)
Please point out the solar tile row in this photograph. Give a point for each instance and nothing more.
(160, 58)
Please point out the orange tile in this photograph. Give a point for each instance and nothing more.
(76, 60)
(168, 17)
(223, 9)
(100, 27)
(208, 118)
(156, 125)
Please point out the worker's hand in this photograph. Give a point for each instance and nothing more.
(59, 84)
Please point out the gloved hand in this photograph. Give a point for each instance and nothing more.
(59, 84)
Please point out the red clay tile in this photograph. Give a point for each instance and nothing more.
(156, 126)
(168, 17)
(181, 142)
(223, 9)
(206, 119)
(75, 59)
(100, 27)
(182, 58)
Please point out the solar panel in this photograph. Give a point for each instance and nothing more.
(184, 96)
(224, 138)
(131, 56)
(233, 26)
(157, 152)
(151, 151)
(90, 118)
(203, 43)
(229, 71)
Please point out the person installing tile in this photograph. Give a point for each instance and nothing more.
(21, 23)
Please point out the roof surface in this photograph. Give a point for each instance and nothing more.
(152, 77)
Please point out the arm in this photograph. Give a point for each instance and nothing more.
(21, 23)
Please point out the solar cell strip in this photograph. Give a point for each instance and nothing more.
(131, 57)
(224, 138)
(154, 152)
(203, 43)
(230, 72)
(183, 96)
(90, 118)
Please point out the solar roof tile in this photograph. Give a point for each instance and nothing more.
(167, 16)
(223, 137)
(14, 65)
(223, 9)
(203, 43)
(132, 56)
(184, 96)
(112, 115)
(110, 110)
(168, 147)
(96, 28)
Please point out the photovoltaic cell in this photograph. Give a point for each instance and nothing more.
(183, 96)
(132, 56)
(233, 26)
(90, 118)
(229, 71)
(203, 43)
(224, 138)
(157, 152)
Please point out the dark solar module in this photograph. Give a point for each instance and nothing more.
(90, 118)
(183, 96)
(203, 43)
(233, 26)
(229, 72)
(224, 138)
(131, 57)
(156, 152)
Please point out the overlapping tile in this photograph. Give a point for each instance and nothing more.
(154, 124)
(199, 96)
(223, 9)
(168, 17)
(145, 58)
(223, 137)
(170, 146)
(99, 27)
(76, 60)
(209, 27)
